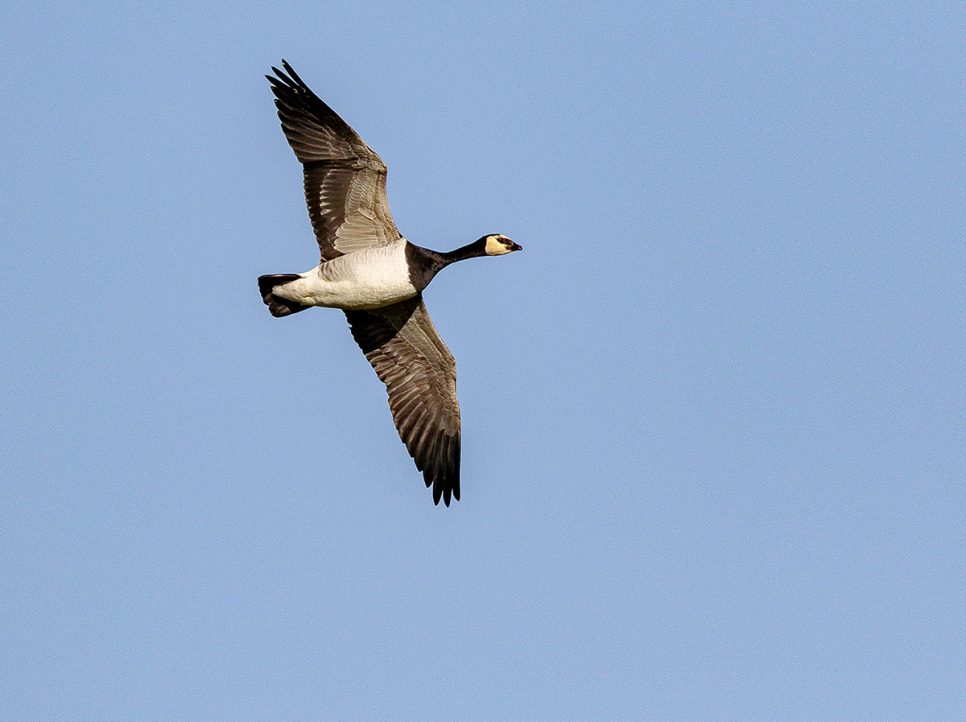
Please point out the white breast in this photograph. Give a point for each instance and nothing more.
(371, 278)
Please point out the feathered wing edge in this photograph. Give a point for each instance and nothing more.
(408, 355)
(344, 179)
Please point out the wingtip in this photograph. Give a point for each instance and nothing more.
(284, 77)
(445, 492)
(290, 77)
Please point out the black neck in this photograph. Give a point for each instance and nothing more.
(425, 263)
(472, 250)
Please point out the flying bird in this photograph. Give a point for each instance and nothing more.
(376, 277)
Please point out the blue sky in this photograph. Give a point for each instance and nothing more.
(714, 414)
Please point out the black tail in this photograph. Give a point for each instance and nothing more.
(278, 306)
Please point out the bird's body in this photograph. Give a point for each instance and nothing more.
(376, 276)
(366, 279)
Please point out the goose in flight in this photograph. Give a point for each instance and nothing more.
(376, 276)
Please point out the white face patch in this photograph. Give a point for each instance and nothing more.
(496, 246)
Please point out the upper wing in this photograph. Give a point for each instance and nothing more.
(408, 355)
(345, 181)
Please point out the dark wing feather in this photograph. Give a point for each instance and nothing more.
(408, 355)
(345, 181)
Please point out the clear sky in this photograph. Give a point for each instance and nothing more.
(714, 414)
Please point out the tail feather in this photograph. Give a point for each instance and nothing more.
(278, 306)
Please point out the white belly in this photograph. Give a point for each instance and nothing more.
(371, 278)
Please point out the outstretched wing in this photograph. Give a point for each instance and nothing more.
(345, 181)
(408, 355)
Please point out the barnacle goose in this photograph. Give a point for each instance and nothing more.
(376, 276)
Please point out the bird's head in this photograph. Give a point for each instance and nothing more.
(497, 245)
